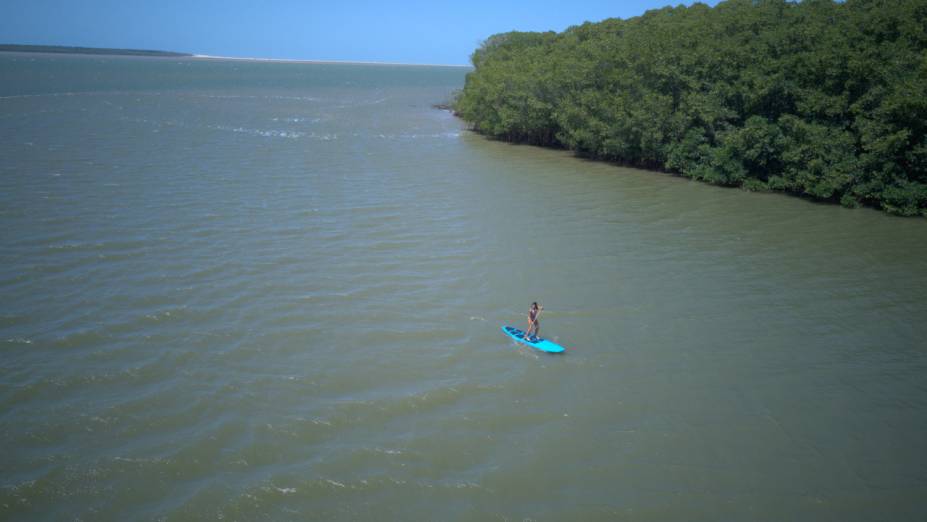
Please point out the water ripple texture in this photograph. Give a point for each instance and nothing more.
(270, 291)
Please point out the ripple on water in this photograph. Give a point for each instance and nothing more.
(282, 300)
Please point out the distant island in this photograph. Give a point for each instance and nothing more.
(823, 99)
(59, 49)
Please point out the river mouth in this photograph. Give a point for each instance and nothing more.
(276, 290)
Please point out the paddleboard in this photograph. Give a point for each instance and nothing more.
(541, 344)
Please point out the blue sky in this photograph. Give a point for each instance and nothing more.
(352, 30)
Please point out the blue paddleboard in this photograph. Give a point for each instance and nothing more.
(541, 344)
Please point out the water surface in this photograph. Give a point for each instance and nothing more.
(274, 291)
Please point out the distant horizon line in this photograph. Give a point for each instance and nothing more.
(298, 60)
(79, 49)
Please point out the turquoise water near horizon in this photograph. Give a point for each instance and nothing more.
(274, 291)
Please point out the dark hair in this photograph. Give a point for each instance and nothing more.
(534, 304)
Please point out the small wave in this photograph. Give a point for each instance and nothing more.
(386, 451)
(254, 97)
(105, 247)
(297, 98)
(298, 120)
(45, 95)
(268, 133)
(142, 460)
(438, 135)
(162, 315)
(272, 133)
(323, 137)
(85, 93)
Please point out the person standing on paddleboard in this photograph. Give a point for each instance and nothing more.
(534, 326)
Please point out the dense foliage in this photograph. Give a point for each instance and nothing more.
(818, 98)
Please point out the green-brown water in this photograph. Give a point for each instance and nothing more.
(249, 291)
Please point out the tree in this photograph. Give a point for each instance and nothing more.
(820, 98)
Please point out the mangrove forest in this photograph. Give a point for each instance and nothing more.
(818, 98)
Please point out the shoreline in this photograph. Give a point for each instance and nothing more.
(342, 62)
(90, 51)
(105, 51)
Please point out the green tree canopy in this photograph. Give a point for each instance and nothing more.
(819, 98)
